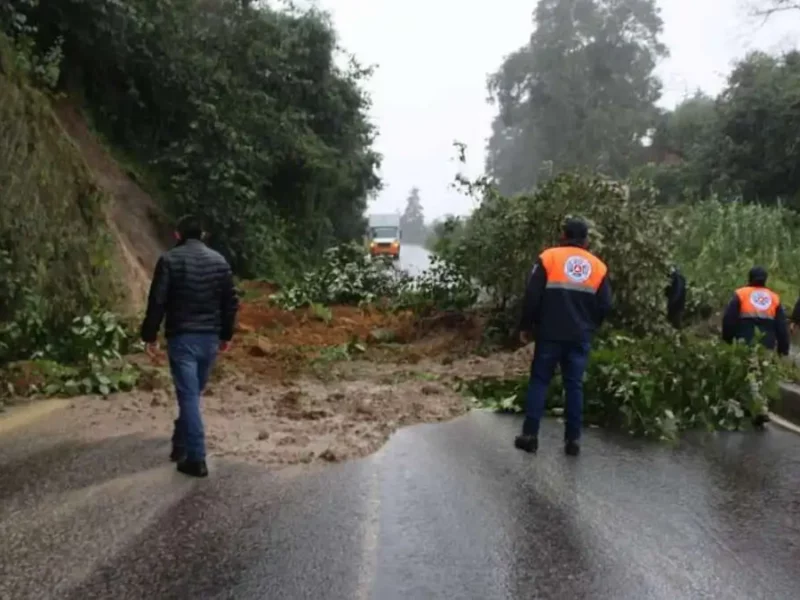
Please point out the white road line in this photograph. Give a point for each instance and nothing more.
(781, 422)
(371, 529)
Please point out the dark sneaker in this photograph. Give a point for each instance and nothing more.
(572, 448)
(177, 454)
(193, 468)
(527, 443)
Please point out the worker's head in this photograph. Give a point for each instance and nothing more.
(575, 232)
(189, 227)
(757, 276)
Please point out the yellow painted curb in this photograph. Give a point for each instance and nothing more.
(25, 415)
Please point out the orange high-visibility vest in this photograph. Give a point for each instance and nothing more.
(757, 303)
(572, 268)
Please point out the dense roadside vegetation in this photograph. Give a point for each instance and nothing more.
(709, 187)
(238, 111)
(56, 256)
(645, 377)
(233, 110)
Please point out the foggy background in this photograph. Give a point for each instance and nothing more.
(433, 59)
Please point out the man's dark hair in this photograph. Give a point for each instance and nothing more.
(190, 227)
(757, 276)
(575, 230)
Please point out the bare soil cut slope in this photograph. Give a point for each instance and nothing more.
(132, 215)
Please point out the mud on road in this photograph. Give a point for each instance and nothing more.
(300, 389)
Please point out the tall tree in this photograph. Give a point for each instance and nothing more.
(767, 8)
(240, 109)
(742, 144)
(759, 113)
(581, 93)
(685, 149)
(413, 219)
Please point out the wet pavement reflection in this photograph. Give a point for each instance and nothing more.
(443, 511)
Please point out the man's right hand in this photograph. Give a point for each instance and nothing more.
(225, 346)
(524, 338)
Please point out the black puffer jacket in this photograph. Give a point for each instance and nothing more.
(193, 287)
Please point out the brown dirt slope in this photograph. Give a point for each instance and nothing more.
(131, 216)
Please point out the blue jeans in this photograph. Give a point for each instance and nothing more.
(573, 358)
(191, 357)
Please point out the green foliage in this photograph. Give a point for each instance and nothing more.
(684, 149)
(240, 109)
(443, 234)
(40, 65)
(342, 352)
(714, 243)
(581, 93)
(347, 275)
(322, 313)
(721, 241)
(646, 379)
(92, 338)
(758, 112)
(443, 286)
(55, 252)
(86, 358)
(501, 240)
(659, 386)
(740, 144)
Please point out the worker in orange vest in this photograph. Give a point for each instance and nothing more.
(754, 308)
(567, 298)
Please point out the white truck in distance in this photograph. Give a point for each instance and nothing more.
(384, 236)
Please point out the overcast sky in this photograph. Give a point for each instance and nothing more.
(433, 57)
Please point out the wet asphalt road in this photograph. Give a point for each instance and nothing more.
(414, 259)
(443, 511)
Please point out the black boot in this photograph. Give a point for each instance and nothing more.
(178, 451)
(193, 468)
(527, 443)
(572, 448)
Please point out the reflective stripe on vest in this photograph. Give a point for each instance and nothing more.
(757, 303)
(572, 268)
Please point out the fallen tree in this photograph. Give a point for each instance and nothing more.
(659, 386)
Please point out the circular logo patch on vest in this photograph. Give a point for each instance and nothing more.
(761, 300)
(577, 269)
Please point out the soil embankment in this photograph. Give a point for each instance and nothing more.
(132, 215)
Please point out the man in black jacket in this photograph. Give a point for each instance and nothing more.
(193, 288)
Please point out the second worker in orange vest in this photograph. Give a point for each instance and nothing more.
(756, 308)
(567, 299)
